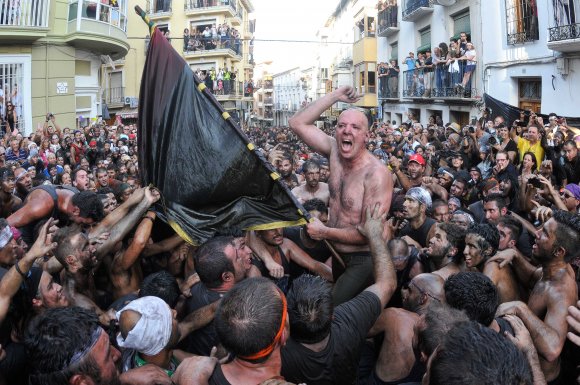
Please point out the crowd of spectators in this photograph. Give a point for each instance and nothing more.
(444, 71)
(475, 268)
(221, 36)
(220, 82)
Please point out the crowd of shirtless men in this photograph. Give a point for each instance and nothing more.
(429, 259)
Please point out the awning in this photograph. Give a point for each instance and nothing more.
(127, 113)
(424, 48)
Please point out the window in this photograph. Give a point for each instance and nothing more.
(395, 51)
(425, 38)
(530, 94)
(461, 23)
(324, 73)
(364, 27)
(365, 81)
(521, 21)
(15, 81)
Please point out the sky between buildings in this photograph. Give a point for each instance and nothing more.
(288, 20)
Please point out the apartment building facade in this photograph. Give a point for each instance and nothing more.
(527, 56)
(290, 93)
(185, 23)
(51, 55)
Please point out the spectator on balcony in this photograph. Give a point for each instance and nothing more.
(186, 38)
(393, 77)
(418, 75)
(11, 118)
(227, 78)
(439, 63)
(206, 37)
(410, 62)
(470, 60)
(453, 63)
(428, 74)
(383, 70)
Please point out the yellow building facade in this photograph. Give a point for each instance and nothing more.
(51, 55)
(176, 18)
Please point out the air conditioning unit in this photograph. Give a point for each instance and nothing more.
(127, 100)
(446, 3)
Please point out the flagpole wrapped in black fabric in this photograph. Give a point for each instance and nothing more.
(208, 172)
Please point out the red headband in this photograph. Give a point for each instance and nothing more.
(270, 348)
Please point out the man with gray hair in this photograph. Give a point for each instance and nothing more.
(420, 228)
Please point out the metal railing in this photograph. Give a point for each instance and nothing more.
(115, 16)
(24, 13)
(200, 43)
(388, 87)
(387, 19)
(115, 95)
(268, 100)
(564, 32)
(411, 6)
(192, 5)
(444, 81)
(521, 21)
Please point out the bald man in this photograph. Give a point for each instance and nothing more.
(397, 363)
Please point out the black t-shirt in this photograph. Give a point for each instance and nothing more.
(420, 235)
(201, 340)
(337, 363)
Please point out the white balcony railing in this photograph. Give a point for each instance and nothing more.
(24, 13)
(115, 16)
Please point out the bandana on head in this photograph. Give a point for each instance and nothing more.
(574, 189)
(5, 236)
(151, 334)
(421, 195)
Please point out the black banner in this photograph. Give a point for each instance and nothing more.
(208, 172)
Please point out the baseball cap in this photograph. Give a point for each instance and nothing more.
(417, 158)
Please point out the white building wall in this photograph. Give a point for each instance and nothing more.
(288, 95)
(506, 64)
(89, 85)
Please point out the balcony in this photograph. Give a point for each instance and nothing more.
(388, 91)
(268, 101)
(565, 38)
(159, 9)
(115, 97)
(416, 9)
(231, 90)
(98, 27)
(268, 86)
(440, 84)
(388, 24)
(208, 48)
(24, 20)
(211, 7)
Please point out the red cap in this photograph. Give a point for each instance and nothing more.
(93, 143)
(417, 158)
(132, 136)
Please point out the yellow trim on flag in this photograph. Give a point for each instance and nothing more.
(275, 176)
(201, 87)
(175, 226)
(251, 146)
(277, 225)
(225, 115)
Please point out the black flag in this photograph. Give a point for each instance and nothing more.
(209, 174)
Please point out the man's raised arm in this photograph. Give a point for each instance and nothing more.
(302, 123)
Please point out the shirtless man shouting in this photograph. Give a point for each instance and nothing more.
(358, 180)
